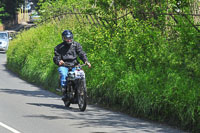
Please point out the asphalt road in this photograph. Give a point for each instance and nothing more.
(25, 108)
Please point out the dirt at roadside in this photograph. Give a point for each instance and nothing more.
(20, 26)
(17, 28)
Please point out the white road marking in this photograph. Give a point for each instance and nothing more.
(9, 128)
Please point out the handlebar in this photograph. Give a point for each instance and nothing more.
(71, 66)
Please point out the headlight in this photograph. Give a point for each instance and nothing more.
(4, 43)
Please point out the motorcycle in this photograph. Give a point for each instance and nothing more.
(75, 91)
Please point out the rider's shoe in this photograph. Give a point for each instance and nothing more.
(63, 89)
(64, 97)
(58, 89)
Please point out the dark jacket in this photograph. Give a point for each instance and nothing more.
(69, 53)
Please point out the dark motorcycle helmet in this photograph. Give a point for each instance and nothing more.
(67, 36)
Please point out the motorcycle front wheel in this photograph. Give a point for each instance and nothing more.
(82, 95)
(66, 100)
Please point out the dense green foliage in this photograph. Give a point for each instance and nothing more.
(10, 8)
(2, 14)
(147, 69)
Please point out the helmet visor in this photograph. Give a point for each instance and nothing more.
(68, 37)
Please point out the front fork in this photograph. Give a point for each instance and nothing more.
(74, 87)
(69, 90)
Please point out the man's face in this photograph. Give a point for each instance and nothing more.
(68, 39)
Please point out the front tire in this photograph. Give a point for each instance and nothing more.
(82, 95)
(66, 97)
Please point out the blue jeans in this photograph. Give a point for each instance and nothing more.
(63, 71)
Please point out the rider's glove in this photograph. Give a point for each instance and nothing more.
(61, 62)
(88, 63)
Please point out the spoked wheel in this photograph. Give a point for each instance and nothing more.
(82, 95)
(66, 100)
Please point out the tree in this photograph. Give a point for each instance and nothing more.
(1, 11)
(9, 8)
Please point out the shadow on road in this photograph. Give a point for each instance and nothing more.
(8, 71)
(35, 93)
(23, 89)
(48, 105)
(96, 117)
(56, 106)
(99, 118)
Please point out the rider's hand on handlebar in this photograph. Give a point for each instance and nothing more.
(88, 63)
(61, 62)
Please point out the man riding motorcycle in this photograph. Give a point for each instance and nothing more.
(67, 53)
